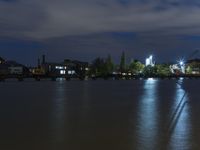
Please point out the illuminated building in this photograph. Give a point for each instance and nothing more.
(149, 61)
(193, 66)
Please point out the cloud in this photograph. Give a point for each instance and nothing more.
(49, 18)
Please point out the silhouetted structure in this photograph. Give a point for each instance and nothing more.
(13, 68)
(2, 60)
(193, 66)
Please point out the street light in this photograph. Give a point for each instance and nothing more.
(182, 65)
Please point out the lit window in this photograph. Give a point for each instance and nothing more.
(69, 72)
(62, 71)
(73, 72)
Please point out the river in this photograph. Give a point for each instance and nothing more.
(147, 114)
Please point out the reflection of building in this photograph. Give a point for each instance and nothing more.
(193, 66)
(149, 61)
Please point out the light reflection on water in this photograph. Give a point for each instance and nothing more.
(58, 112)
(177, 135)
(180, 125)
(148, 116)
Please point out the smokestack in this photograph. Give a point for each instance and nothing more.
(43, 59)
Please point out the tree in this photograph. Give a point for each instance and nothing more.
(123, 62)
(149, 71)
(163, 69)
(136, 67)
(109, 66)
(157, 70)
(97, 66)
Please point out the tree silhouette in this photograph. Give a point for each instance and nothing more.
(123, 62)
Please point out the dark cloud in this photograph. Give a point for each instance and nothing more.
(8, 0)
(48, 18)
(88, 28)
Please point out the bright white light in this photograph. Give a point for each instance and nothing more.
(147, 62)
(59, 67)
(181, 62)
(150, 79)
(62, 71)
(69, 72)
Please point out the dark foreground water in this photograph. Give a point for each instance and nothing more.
(100, 115)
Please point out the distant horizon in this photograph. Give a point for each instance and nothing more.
(115, 62)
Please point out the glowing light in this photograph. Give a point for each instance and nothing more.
(62, 71)
(150, 79)
(149, 61)
(181, 64)
(69, 72)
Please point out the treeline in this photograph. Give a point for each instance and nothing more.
(106, 66)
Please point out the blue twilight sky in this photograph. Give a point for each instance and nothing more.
(85, 29)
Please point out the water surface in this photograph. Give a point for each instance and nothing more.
(95, 115)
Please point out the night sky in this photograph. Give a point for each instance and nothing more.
(85, 29)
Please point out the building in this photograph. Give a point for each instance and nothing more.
(2, 60)
(17, 70)
(80, 68)
(13, 68)
(193, 66)
(3, 68)
(66, 68)
(149, 61)
(53, 69)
